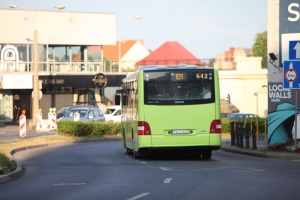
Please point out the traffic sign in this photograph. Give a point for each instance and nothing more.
(290, 46)
(294, 50)
(291, 70)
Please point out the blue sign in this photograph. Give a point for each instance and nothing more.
(294, 50)
(291, 70)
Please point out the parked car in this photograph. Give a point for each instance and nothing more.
(86, 114)
(60, 112)
(242, 115)
(113, 114)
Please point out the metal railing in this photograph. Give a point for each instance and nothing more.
(54, 67)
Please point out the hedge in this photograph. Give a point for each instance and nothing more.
(114, 128)
(80, 129)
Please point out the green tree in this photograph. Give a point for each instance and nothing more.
(260, 48)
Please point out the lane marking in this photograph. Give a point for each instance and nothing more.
(58, 184)
(254, 169)
(164, 168)
(168, 180)
(138, 196)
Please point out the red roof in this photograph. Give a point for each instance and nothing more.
(170, 53)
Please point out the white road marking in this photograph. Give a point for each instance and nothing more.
(168, 180)
(254, 169)
(138, 196)
(164, 168)
(58, 184)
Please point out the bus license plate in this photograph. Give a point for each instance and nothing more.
(181, 131)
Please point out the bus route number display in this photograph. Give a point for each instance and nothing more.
(202, 76)
(178, 76)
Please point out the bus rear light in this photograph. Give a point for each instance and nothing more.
(216, 126)
(143, 128)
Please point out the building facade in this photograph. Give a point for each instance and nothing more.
(244, 80)
(70, 64)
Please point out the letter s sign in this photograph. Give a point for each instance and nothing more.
(293, 12)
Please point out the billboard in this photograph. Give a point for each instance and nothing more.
(283, 70)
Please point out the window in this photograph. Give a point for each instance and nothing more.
(179, 87)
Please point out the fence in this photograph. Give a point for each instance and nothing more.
(247, 130)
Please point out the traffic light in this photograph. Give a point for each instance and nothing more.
(228, 98)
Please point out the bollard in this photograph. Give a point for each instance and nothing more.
(237, 133)
(76, 117)
(253, 132)
(247, 135)
(39, 120)
(49, 117)
(232, 132)
(241, 135)
(53, 125)
(23, 124)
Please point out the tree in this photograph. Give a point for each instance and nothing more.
(260, 48)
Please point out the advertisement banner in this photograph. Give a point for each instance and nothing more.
(283, 75)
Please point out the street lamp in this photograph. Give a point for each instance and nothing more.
(119, 45)
(13, 6)
(59, 7)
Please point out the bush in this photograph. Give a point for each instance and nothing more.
(225, 125)
(6, 165)
(88, 128)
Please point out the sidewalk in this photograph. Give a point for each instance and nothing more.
(12, 133)
(262, 150)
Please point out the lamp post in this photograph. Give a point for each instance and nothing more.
(119, 44)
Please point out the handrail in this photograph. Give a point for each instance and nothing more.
(55, 67)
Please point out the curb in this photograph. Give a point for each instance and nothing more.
(16, 174)
(255, 154)
(269, 155)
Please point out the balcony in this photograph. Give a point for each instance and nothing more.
(60, 68)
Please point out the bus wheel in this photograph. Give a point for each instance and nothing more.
(128, 151)
(136, 154)
(206, 155)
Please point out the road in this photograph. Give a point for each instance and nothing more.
(101, 170)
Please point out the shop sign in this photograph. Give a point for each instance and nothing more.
(100, 80)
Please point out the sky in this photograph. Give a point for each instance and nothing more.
(206, 28)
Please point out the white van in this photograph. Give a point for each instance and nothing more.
(113, 114)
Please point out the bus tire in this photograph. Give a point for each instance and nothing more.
(206, 155)
(128, 151)
(137, 155)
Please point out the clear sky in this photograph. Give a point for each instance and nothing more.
(205, 27)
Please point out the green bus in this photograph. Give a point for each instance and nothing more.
(171, 107)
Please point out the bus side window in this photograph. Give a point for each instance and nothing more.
(124, 97)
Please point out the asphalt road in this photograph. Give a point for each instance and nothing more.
(102, 170)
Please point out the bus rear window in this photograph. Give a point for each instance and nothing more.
(179, 87)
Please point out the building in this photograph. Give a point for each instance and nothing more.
(244, 80)
(127, 53)
(70, 64)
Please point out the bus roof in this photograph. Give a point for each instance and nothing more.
(154, 67)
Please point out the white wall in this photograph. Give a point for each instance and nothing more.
(57, 27)
(246, 86)
(136, 53)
